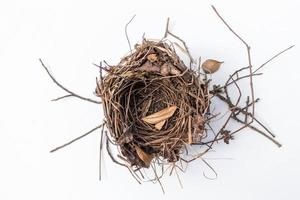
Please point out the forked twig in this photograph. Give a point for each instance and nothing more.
(273, 57)
(249, 58)
(70, 93)
(78, 138)
(167, 32)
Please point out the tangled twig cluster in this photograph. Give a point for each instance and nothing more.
(153, 81)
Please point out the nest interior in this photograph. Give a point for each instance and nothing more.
(153, 83)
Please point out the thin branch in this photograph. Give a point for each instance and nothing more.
(127, 33)
(78, 138)
(64, 88)
(117, 162)
(100, 153)
(275, 56)
(210, 167)
(249, 58)
(255, 129)
(247, 106)
(179, 39)
(157, 178)
(62, 97)
(167, 28)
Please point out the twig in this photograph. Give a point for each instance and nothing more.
(127, 33)
(247, 106)
(249, 57)
(158, 179)
(117, 162)
(78, 138)
(62, 97)
(65, 89)
(181, 40)
(100, 153)
(278, 54)
(214, 171)
(255, 129)
(167, 28)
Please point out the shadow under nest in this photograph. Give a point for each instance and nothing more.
(148, 82)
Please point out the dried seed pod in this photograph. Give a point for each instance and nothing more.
(210, 66)
(160, 115)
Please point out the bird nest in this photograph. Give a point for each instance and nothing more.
(153, 104)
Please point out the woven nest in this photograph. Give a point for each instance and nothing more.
(153, 104)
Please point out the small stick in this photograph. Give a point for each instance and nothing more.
(65, 89)
(127, 34)
(247, 106)
(100, 153)
(275, 56)
(181, 40)
(78, 138)
(62, 97)
(255, 129)
(177, 175)
(117, 162)
(214, 171)
(158, 179)
(167, 28)
(249, 57)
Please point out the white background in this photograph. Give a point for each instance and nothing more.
(71, 35)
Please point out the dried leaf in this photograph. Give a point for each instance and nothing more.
(152, 57)
(174, 70)
(159, 125)
(145, 107)
(168, 68)
(161, 115)
(165, 69)
(146, 158)
(148, 67)
(127, 74)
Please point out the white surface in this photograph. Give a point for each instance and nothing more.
(70, 35)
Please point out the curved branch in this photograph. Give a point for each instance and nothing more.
(65, 89)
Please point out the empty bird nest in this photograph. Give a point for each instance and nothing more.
(156, 107)
(153, 103)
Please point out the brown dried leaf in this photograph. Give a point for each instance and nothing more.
(165, 69)
(159, 125)
(148, 67)
(174, 70)
(146, 158)
(127, 74)
(161, 115)
(168, 68)
(152, 57)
